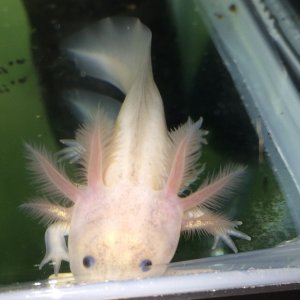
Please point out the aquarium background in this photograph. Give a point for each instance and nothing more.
(35, 74)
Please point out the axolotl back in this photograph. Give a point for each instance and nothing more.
(124, 219)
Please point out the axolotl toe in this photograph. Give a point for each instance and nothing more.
(124, 218)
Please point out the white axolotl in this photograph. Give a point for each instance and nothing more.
(125, 219)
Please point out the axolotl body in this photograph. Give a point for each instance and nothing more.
(125, 218)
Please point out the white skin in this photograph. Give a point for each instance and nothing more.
(125, 220)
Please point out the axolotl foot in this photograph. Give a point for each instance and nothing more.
(222, 229)
(56, 249)
(226, 237)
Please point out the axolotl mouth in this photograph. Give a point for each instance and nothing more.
(124, 219)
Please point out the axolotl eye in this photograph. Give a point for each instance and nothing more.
(88, 261)
(145, 265)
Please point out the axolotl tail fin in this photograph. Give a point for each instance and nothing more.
(118, 51)
(112, 50)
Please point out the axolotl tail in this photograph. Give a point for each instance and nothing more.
(118, 51)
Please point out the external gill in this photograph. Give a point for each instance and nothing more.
(187, 143)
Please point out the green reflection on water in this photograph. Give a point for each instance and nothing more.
(22, 119)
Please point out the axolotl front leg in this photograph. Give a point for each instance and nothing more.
(56, 248)
(59, 218)
(220, 227)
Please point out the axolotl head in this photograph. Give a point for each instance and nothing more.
(132, 238)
